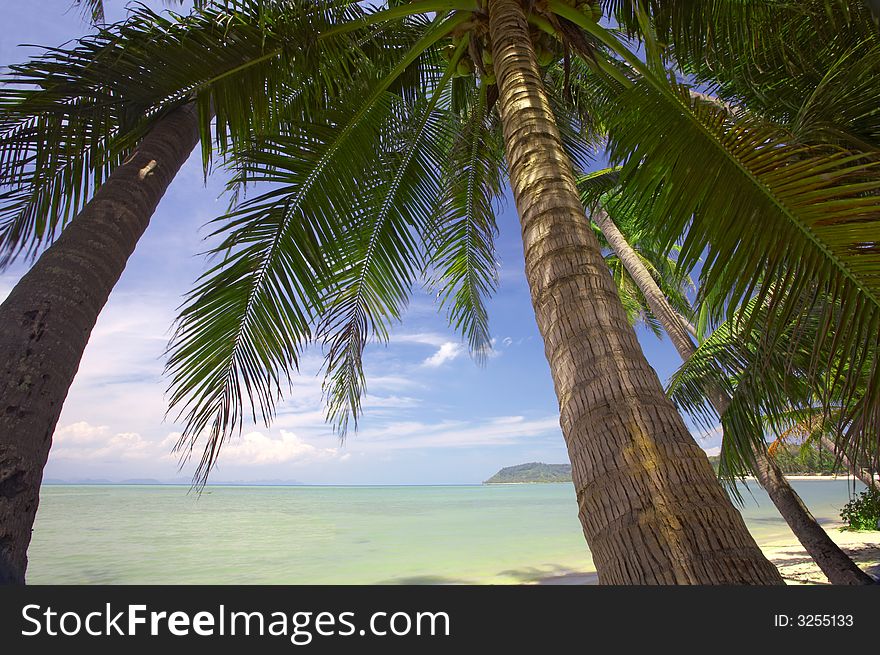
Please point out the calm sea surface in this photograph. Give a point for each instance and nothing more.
(334, 535)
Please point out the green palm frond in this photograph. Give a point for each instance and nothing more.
(461, 244)
(94, 9)
(841, 104)
(375, 266)
(596, 185)
(771, 55)
(755, 206)
(769, 379)
(250, 314)
(827, 93)
(724, 33)
(286, 255)
(68, 117)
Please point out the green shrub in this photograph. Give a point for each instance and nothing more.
(863, 512)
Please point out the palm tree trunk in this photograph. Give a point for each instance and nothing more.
(651, 508)
(835, 564)
(49, 315)
(866, 477)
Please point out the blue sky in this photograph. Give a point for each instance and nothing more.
(431, 417)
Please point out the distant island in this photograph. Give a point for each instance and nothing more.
(532, 472)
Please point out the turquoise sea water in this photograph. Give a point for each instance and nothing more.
(334, 535)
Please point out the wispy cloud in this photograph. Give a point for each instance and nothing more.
(447, 352)
(496, 431)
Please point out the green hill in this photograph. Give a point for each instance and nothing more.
(532, 472)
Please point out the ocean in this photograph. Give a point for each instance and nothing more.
(336, 535)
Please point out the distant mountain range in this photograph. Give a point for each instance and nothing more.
(532, 472)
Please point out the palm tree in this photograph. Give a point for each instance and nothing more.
(195, 362)
(368, 113)
(824, 98)
(836, 565)
(98, 115)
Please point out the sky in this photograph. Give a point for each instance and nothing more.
(431, 416)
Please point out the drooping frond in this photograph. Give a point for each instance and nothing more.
(375, 266)
(242, 328)
(461, 243)
(69, 116)
(754, 206)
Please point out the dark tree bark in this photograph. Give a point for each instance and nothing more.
(49, 315)
(835, 564)
(651, 508)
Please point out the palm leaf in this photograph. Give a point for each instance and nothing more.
(377, 263)
(802, 216)
(68, 117)
(243, 326)
(462, 242)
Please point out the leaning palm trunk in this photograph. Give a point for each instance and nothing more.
(835, 564)
(864, 475)
(651, 508)
(49, 315)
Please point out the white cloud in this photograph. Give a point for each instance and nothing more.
(257, 449)
(392, 382)
(447, 352)
(397, 402)
(85, 442)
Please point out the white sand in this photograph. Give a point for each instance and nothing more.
(797, 567)
(793, 562)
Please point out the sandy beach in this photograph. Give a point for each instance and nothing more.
(797, 567)
(793, 562)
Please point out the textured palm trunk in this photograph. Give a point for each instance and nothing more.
(651, 508)
(865, 476)
(48, 317)
(835, 564)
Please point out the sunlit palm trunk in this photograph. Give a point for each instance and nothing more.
(835, 564)
(48, 317)
(651, 508)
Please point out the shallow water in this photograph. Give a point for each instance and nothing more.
(334, 535)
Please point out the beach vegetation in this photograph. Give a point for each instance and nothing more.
(863, 511)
